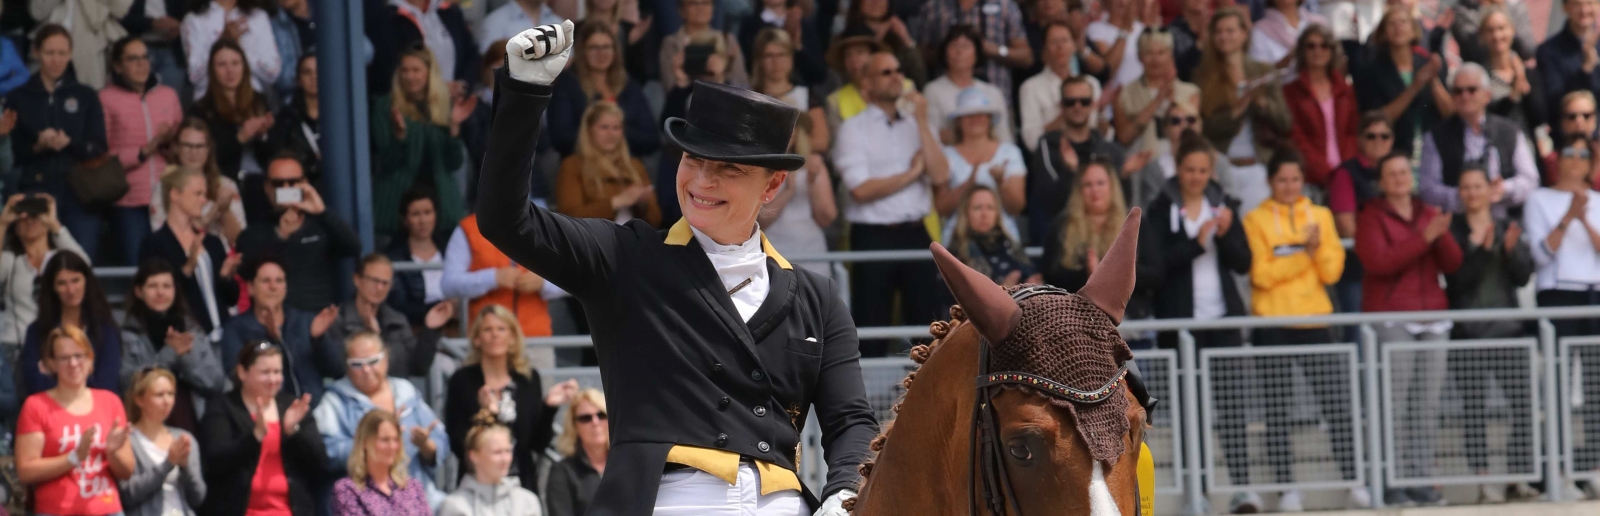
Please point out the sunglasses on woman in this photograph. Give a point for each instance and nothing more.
(1374, 137)
(360, 363)
(1575, 153)
(584, 419)
(1182, 120)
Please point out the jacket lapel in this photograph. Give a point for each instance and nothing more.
(775, 309)
(709, 285)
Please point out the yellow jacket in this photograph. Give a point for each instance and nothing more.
(1285, 279)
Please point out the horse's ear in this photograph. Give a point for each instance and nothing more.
(1112, 283)
(985, 303)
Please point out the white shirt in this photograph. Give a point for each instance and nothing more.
(434, 34)
(201, 30)
(871, 145)
(941, 94)
(432, 292)
(1016, 166)
(509, 20)
(1519, 184)
(155, 9)
(1105, 33)
(1207, 281)
(1169, 165)
(737, 263)
(1040, 101)
(1576, 265)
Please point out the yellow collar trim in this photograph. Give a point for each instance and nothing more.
(680, 235)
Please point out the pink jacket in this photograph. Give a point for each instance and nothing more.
(131, 122)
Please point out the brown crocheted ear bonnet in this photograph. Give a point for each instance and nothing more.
(1068, 339)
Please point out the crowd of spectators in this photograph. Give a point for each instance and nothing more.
(1466, 152)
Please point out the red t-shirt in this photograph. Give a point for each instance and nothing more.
(89, 488)
(269, 490)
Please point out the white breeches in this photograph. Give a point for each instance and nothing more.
(691, 492)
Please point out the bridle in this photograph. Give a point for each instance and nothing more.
(984, 447)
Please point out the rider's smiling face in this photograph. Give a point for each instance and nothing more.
(722, 199)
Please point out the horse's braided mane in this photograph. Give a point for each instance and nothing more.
(919, 355)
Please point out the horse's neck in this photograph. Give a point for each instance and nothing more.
(923, 467)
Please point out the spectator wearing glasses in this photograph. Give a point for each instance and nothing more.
(247, 24)
(1040, 95)
(415, 293)
(1351, 185)
(497, 377)
(599, 76)
(59, 124)
(1143, 101)
(71, 295)
(202, 258)
(490, 490)
(410, 353)
(1322, 103)
(1495, 263)
(368, 387)
(772, 75)
(158, 23)
(697, 24)
(1003, 43)
(1477, 137)
(29, 236)
(1274, 37)
(624, 21)
(301, 337)
(959, 55)
(978, 157)
(1576, 120)
(416, 136)
(224, 211)
(1514, 88)
(263, 439)
(890, 163)
(794, 19)
(1116, 37)
(1401, 80)
(307, 238)
(1246, 122)
(1570, 60)
(877, 19)
(61, 452)
(158, 331)
(240, 120)
(1082, 233)
(1405, 245)
(585, 442)
(1063, 153)
(167, 478)
(142, 117)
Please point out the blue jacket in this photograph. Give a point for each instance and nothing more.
(13, 72)
(288, 37)
(107, 341)
(310, 359)
(341, 410)
(1561, 69)
(565, 116)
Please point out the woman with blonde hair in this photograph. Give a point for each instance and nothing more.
(603, 180)
(490, 490)
(497, 377)
(416, 139)
(378, 484)
(585, 441)
(1082, 234)
(983, 243)
(598, 74)
(224, 208)
(166, 475)
(1242, 103)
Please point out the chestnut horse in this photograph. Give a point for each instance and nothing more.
(1071, 421)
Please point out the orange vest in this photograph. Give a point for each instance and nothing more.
(533, 313)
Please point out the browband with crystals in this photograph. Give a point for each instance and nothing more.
(1053, 387)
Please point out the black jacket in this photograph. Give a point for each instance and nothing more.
(1167, 255)
(164, 244)
(572, 484)
(232, 453)
(309, 256)
(72, 108)
(681, 366)
(1516, 266)
(1381, 83)
(409, 292)
(289, 134)
(533, 427)
(1051, 181)
(392, 33)
(225, 146)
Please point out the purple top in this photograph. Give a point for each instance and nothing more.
(407, 501)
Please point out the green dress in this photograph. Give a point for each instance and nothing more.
(427, 157)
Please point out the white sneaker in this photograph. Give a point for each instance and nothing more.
(1521, 491)
(1360, 498)
(1245, 503)
(1491, 493)
(1291, 502)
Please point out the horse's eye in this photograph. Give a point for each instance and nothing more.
(1020, 451)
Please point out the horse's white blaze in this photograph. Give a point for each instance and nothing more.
(1100, 501)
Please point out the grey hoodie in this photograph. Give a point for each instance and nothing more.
(507, 498)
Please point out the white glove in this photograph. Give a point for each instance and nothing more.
(834, 505)
(538, 55)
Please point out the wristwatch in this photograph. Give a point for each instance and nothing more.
(1005, 51)
(72, 457)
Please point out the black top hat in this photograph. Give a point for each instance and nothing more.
(737, 126)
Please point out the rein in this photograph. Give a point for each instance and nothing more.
(984, 447)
